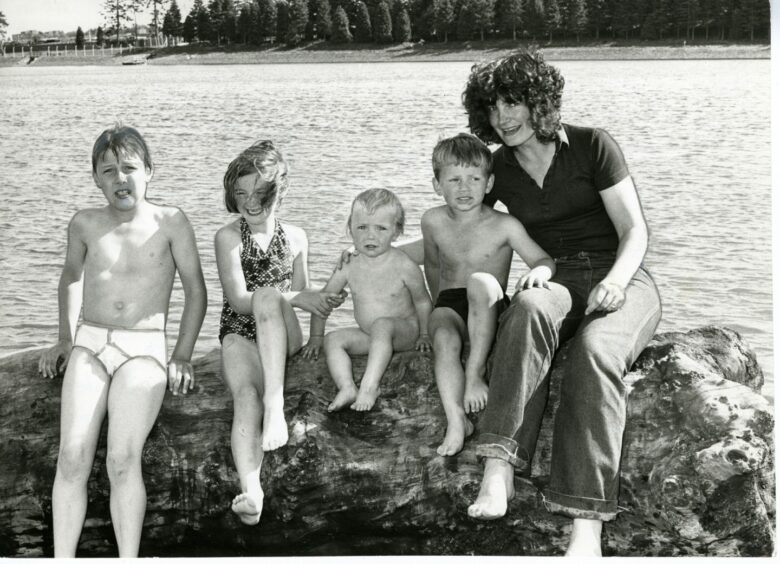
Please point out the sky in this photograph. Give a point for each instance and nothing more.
(62, 15)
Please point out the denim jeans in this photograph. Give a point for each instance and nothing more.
(589, 423)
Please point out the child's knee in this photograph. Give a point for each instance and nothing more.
(74, 462)
(447, 340)
(120, 461)
(482, 287)
(264, 300)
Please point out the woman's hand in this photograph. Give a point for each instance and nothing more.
(311, 350)
(50, 364)
(346, 256)
(606, 296)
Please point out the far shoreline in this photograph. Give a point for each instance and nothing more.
(316, 53)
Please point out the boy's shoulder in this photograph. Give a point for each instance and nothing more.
(436, 213)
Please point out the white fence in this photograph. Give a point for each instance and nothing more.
(65, 51)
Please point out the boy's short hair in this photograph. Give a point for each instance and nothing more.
(462, 149)
(121, 138)
(263, 159)
(375, 198)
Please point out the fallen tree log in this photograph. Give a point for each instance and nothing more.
(697, 475)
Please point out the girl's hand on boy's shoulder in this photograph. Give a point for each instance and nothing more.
(346, 256)
(180, 373)
(54, 360)
(423, 343)
(311, 350)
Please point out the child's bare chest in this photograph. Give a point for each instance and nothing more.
(376, 284)
(129, 251)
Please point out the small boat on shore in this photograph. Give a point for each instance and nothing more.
(135, 61)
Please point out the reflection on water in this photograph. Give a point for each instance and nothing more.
(699, 153)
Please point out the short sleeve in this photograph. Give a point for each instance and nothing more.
(609, 165)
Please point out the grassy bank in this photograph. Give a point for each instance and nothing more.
(319, 52)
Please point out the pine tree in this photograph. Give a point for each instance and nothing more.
(483, 16)
(509, 15)
(115, 12)
(340, 28)
(282, 18)
(578, 18)
(402, 27)
(79, 38)
(298, 17)
(362, 24)
(383, 25)
(100, 39)
(268, 20)
(443, 16)
(552, 18)
(322, 20)
(189, 29)
(596, 16)
(172, 26)
(466, 20)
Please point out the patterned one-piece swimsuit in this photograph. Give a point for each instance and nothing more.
(270, 268)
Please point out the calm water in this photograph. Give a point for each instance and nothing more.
(696, 135)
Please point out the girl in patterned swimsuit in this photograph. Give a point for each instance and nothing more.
(263, 269)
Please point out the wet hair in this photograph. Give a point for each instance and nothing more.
(375, 198)
(463, 150)
(263, 159)
(522, 76)
(121, 139)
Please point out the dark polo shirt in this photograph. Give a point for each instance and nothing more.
(567, 215)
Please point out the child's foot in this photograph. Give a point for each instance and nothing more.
(275, 433)
(365, 399)
(344, 397)
(475, 395)
(585, 538)
(498, 487)
(456, 434)
(248, 508)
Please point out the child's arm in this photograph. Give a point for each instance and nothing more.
(335, 284)
(541, 264)
(69, 298)
(431, 256)
(422, 305)
(185, 255)
(319, 303)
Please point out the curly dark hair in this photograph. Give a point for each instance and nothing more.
(522, 76)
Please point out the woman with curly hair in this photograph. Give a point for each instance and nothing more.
(571, 189)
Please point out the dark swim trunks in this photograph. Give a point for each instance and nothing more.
(457, 300)
(270, 268)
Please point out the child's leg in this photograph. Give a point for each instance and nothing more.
(387, 334)
(484, 293)
(447, 330)
(278, 335)
(243, 375)
(585, 538)
(134, 400)
(84, 398)
(338, 345)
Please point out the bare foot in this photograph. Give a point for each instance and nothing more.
(365, 399)
(344, 397)
(456, 434)
(275, 433)
(476, 394)
(585, 538)
(498, 487)
(248, 508)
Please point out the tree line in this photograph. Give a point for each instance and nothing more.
(256, 22)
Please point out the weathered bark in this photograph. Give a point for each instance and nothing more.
(697, 475)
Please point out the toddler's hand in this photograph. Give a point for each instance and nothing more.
(534, 278)
(180, 372)
(423, 343)
(50, 364)
(311, 350)
(345, 257)
(315, 302)
(606, 296)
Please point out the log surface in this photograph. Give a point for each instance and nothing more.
(697, 476)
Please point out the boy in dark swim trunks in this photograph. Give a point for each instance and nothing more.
(468, 252)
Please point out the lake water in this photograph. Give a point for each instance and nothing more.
(696, 136)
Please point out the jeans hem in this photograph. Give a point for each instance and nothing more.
(580, 507)
(496, 446)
